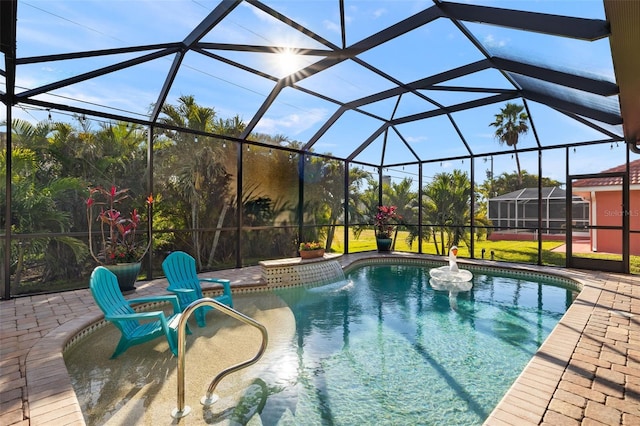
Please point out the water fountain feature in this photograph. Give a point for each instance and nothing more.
(320, 273)
(296, 271)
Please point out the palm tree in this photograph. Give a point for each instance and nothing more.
(325, 199)
(363, 204)
(193, 168)
(510, 123)
(36, 209)
(460, 205)
(447, 208)
(438, 209)
(401, 195)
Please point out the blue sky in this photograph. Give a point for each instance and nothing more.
(53, 27)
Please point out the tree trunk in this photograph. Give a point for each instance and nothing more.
(395, 237)
(515, 150)
(194, 234)
(19, 265)
(216, 237)
(330, 234)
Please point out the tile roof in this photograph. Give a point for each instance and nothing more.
(634, 176)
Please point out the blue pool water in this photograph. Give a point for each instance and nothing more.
(379, 348)
(384, 348)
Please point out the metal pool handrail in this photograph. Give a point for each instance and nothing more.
(209, 398)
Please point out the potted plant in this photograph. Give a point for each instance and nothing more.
(121, 251)
(310, 250)
(386, 220)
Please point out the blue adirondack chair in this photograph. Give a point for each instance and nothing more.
(180, 270)
(135, 327)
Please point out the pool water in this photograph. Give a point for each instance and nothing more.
(379, 348)
(383, 347)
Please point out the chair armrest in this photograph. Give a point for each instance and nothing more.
(187, 295)
(181, 290)
(173, 299)
(225, 283)
(215, 280)
(137, 316)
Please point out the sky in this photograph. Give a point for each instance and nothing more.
(57, 27)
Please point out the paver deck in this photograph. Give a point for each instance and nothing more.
(587, 372)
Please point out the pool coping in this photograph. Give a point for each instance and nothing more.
(50, 395)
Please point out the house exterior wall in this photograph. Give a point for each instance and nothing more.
(606, 210)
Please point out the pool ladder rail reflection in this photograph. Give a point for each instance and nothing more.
(210, 398)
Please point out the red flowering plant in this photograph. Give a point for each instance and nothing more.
(386, 220)
(118, 232)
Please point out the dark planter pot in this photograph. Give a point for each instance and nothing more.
(384, 244)
(311, 254)
(126, 273)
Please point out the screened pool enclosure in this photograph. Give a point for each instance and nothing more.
(254, 126)
(522, 209)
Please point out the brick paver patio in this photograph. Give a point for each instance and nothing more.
(586, 373)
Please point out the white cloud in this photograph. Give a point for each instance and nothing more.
(45, 41)
(292, 124)
(263, 16)
(379, 12)
(490, 41)
(331, 26)
(485, 135)
(413, 139)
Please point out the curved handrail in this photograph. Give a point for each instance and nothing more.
(182, 411)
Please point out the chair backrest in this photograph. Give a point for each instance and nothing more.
(180, 270)
(106, 292)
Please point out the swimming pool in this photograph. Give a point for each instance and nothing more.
(381, 347)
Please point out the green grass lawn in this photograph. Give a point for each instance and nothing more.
(504, 250)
